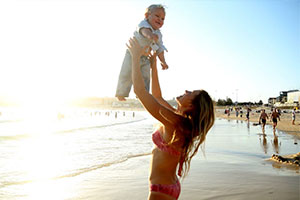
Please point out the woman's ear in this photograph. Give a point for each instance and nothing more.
(146, 15)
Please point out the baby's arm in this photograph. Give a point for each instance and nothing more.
(146, 32)
(163, 63)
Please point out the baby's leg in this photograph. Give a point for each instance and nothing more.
(145, 69)
(125, 81)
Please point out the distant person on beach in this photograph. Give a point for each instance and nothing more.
(248, 114)
(274, 116)
(263, 118)
(148, 34)
(293, 116)
(271, 114)
(236, 112)
(279, 112)
(181, 132)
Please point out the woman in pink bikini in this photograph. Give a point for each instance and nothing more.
(181, 133)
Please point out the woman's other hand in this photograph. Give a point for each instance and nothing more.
(152, 58)
(135, 48)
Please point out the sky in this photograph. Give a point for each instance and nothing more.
(52, 50)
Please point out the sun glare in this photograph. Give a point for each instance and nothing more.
(43, 160)
(33, 110)
(38, 115)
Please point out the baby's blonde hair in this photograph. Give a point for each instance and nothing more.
(153, 7)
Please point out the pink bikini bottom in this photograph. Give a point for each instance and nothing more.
(172, 190)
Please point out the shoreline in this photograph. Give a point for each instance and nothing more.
(285, 123)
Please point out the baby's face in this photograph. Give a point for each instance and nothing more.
(156, 18)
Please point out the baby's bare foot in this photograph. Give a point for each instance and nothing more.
(120, 98)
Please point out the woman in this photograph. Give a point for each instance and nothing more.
(181, 133)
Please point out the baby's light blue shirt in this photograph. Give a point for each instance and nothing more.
(158, 47)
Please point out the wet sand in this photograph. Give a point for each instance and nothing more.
(207, 180)
(285, 123)
(235, 167)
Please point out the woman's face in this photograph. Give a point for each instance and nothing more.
(187, 98)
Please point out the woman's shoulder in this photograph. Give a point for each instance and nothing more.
(180, 130)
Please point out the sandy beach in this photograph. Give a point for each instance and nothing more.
(285, 123)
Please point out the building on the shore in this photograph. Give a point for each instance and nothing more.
(129, 103)
(289, 98)
(293, 97)
(272, 101)
(282, 98)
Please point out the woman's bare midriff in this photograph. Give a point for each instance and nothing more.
(163, 172)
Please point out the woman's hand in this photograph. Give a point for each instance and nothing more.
(152, 58)
(135, 48)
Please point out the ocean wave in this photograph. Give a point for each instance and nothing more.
(92, 168)
(10, 120)
(76, 172)
(16, 136)
(99, 126)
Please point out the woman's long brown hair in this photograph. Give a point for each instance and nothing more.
(197, 123)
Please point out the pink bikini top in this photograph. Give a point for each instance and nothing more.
(163, 146)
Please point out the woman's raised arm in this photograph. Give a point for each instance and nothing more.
(148, 101)
(155, 86)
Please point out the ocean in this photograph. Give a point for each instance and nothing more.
(44, 156)
(76, 142)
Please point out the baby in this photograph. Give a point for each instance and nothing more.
(148, 34)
